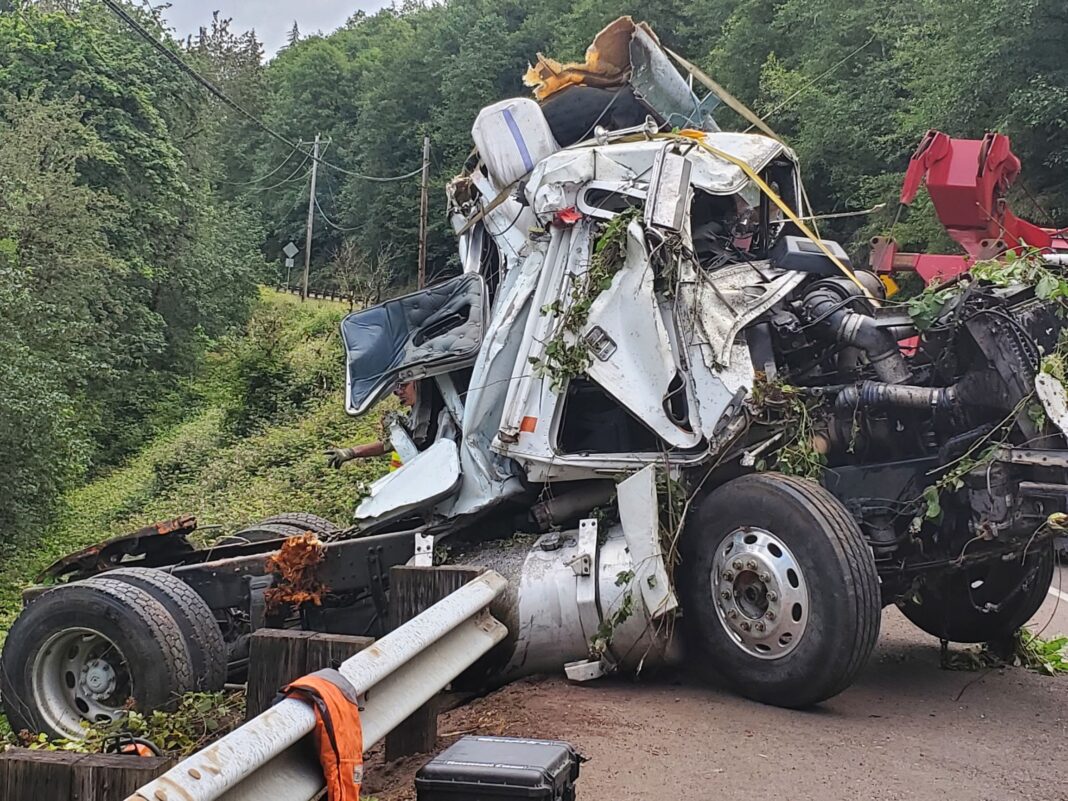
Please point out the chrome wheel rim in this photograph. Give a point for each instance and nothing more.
(80, 675)
(760, 593)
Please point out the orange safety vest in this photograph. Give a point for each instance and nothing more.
(395, 462)
(338, 735)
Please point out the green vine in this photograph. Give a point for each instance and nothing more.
(787, 406)
(564, 359)
(1028, 268)
(1026, 650)
(200, 719)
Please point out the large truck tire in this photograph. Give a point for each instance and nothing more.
(81, 651)
(261, 532)
(203, 637)
(984, 603)
(780, 593)
(304, 521)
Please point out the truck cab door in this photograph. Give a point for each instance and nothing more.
(433, 331)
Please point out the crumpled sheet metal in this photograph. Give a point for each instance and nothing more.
(726, 300)
(295, 564)
(558, 180)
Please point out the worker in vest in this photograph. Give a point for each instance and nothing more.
(335, 457)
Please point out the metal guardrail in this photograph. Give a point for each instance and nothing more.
(267, 757)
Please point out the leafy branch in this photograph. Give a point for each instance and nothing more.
(787, 406)
(566, 359)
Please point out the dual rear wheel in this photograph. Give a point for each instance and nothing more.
(82, 652)
(78, 653)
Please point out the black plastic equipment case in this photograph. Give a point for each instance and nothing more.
(500, 768)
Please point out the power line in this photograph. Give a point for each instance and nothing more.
(333, 224)
(268, 175)
(173, 57)
(285, 181)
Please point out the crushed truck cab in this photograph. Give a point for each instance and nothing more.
(681, 425)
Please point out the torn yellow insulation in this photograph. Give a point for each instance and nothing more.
(607, 62)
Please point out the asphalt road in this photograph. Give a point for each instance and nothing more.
(906, 730)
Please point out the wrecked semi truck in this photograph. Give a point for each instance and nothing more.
(681, 424)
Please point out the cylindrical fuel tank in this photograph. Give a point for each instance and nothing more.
(571, 594)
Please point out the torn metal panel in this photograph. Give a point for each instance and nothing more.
(662, 88)
(720, 303)
(427, 478)
(551, 282)
(160, 543)
(639, 514)
(632, 356)
(1054, 400)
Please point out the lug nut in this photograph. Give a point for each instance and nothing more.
(769, 615)
(765, 577)
(760, 626)
(737, 564)
(772, 595)
(725, 595)
(728, 576)
(751, 564)
(732, 613)
(745, 626)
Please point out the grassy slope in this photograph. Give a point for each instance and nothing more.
(199, 468)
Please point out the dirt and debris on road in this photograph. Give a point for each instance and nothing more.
(906, 730)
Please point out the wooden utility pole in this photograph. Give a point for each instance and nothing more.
(424, 197)
(311, 219)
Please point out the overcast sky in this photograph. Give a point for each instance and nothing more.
(271, 19)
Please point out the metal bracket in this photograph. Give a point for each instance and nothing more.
(585, 670)
(585, 567)
(378, 590)
(424, 550)
(601, 345)
(257, 604)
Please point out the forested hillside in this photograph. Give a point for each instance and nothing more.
(138, 213)
(266, 402)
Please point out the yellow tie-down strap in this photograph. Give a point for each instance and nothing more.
(697, 137)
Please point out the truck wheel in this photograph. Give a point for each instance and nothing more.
(261, 532)
(305, 521)
(80, 651)
(780, 592)
(204, 639)
(952, 605)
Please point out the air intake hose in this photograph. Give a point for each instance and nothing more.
(859, 331)
(876, 395)
(979, 388)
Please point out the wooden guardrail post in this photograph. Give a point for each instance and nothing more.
(277, 656)
(66, 776)
(413, 590)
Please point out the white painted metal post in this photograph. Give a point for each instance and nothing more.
(265, 758)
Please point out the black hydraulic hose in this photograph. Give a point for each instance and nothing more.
(570, 505)
(860, 331)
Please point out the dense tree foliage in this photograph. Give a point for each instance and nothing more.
(851, 85)
(134, 207)
(118, 262)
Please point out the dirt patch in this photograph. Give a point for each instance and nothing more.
(905, 730)
(540, 707)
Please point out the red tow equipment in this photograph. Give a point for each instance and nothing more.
(967, 180)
